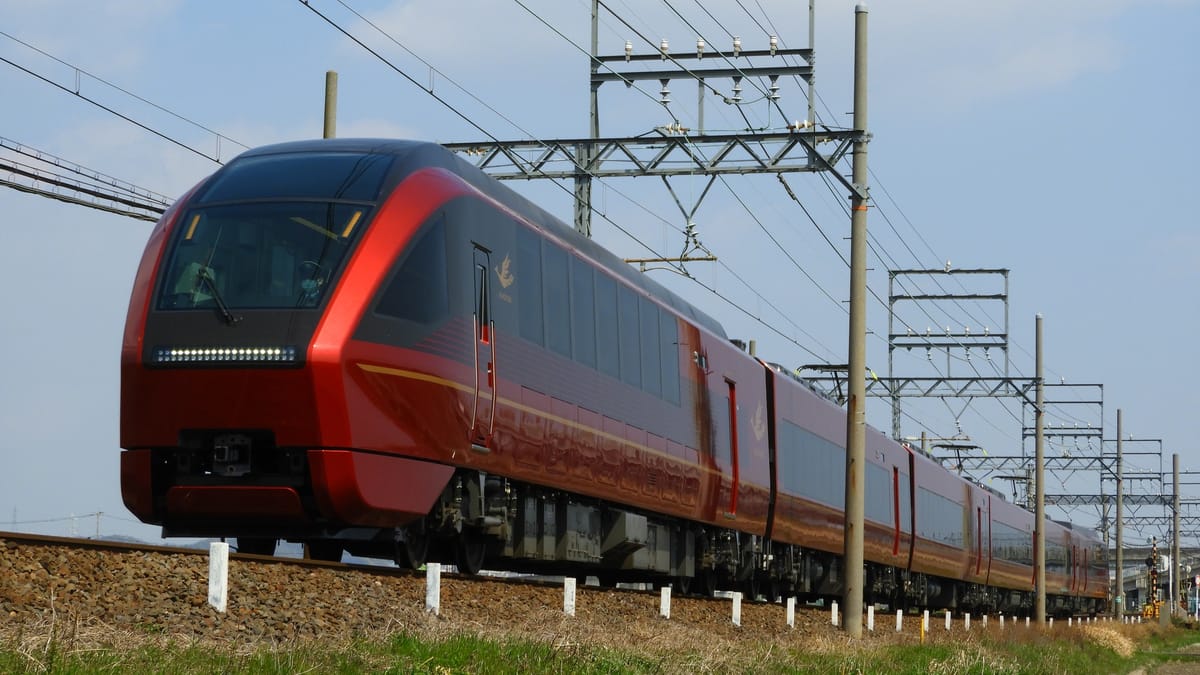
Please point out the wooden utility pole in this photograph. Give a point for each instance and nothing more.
(330, 103)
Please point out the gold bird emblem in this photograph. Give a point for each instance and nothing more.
(504, 273)
(758, 423)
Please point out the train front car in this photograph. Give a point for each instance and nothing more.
(371, 346)
(233, 415)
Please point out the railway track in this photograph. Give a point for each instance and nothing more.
(366, 569)
(151, 592)
(377, 570)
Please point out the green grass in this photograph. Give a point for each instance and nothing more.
(405, 653)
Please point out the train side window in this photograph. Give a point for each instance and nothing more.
(607, 359)
(651, 376)
(529, 284)
(558, 299)
(940, 519)
(631, 363)
(905, 502)
(810, 466)
(583, 312)
(668, 336)
(418, 290)
(878, 494)
(721, 437)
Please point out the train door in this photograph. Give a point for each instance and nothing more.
(979, 526)
(1073, 561)
(986, 536)
(911, 494)
(483, 409)
(731, 510)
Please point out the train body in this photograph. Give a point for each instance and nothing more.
(370, 346)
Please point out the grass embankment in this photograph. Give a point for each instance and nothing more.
(1092, 649)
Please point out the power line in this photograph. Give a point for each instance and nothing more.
(105, 82)
(53, 177)
(465, 117)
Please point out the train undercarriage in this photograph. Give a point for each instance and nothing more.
(486, 521)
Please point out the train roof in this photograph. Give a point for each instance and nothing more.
(414, 155)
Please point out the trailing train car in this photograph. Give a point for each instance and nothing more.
(370, 346)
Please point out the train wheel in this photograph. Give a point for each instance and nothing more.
(682, 585)
(774, 590)
(470, 550)
(322, 549)
(412, 550)
(751, 588)
(256, 545)
(706, 582)
(606, 578)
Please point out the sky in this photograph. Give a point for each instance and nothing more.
(1054, 140)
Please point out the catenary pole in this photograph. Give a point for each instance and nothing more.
(1039, 514)
(586, 151)
(1119, 598)
(856, 438)
(1176, 569)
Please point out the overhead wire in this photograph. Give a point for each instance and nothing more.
(757, 221)
(127, 118)
(107, 182)
(477, 126)
(875, 245)
(733, 192)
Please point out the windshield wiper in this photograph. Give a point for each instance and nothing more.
(204, 276)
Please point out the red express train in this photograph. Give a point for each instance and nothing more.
(371, 346)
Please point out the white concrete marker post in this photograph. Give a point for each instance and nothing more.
(569, 596)
(433, 588)
(871, 618)
(664, 602)
(899, 620)
(833, 611)
(1001, 622)
(925, 622)
(947, 619)
(791, 612)
(218, 575)
(737, 609)
(967, 622)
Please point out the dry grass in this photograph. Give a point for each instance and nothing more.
(1104, 636)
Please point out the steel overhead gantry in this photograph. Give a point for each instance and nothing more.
(910, 287)
(663, 152)
(671, 150)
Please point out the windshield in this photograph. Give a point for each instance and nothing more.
(258, 255)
